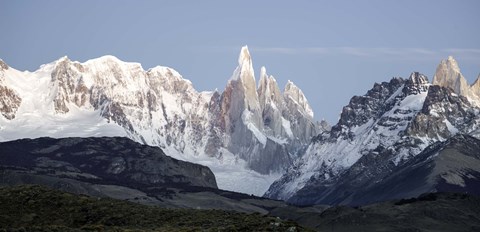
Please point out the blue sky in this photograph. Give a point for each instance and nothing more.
(331, 49)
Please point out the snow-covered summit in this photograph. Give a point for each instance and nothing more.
(106, 59)
(294, 93)
(227, 131)
(244, 70)
(244, 57)
(388, 126)
(268, 90)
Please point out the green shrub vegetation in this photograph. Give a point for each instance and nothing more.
(36, 208)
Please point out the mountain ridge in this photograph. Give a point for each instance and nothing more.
(379, 131)
(108, 97)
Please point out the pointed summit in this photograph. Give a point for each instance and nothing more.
(418, 78)
(263, 72)
(292, 92)
(243, 81)
(244, 71)
(448, 75)
(244, 56)
(416, 83)
(452, 63)
(63, 59)
(268, 91)
(263, 88)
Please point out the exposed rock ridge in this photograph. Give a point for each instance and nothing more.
(9, 99)
(377, 132)
(448, 74)
(262, 126)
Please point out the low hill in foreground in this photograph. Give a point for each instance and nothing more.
(428, 212)
(36, 208)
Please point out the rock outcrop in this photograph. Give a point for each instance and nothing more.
(9, 99)
(258, 122)
(448, 75)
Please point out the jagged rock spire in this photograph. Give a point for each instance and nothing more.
(268, 90)
(416, 83)
(296, 94)
(448, 75)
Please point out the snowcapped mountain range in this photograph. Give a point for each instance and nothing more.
(383, 130)
(250, 133)
(247, 134)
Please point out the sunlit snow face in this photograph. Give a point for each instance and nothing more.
(159, 107)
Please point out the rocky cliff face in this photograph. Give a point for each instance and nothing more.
(448, 75)
(284, 113)
(378, 132)
(9, 99)
(243, 119)
(106, 96)
(259, 121)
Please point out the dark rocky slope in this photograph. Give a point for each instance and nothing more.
(106, 160)
(429, 212)
(449, 166)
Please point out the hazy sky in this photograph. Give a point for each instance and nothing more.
(331, 49)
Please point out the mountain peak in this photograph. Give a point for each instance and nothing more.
(105, 58)
(244, 56)
(63, 59)
(263, 72)
(452, 63)
(294, 93)
(416, 83)
(448, 75)
(244, 71)
(268, 88)
(265, 79)
(451, 59)
(110, 97)
(418, 78)
(290, 86)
